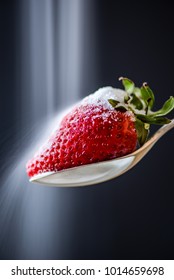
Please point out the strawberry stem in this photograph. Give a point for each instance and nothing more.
(141, 101)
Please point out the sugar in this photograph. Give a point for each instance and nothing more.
(101, 96)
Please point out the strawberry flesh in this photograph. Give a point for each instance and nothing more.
(89, 133)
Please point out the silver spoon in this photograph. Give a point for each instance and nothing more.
(94, 173)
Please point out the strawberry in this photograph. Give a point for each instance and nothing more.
(107, 124)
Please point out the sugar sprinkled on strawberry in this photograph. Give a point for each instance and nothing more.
(103, 126)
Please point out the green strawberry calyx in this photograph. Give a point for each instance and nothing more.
(140, 102)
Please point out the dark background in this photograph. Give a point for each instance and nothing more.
(131, 217)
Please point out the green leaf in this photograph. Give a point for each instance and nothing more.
(142, 132)
(137, 92)
(115, 105)
(121, 108)
(126, 98)
(136, 102)
(153, 119)
(167, 107)
(113, 102)
(147, 95)
(128, 85)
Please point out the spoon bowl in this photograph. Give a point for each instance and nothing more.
(95, 173)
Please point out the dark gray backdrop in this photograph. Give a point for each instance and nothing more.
(130, 217)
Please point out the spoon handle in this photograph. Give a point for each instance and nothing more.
(163, 130)
(149, 144)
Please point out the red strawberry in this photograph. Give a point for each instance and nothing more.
(103, 126)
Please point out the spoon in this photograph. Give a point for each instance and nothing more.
(94, 173)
